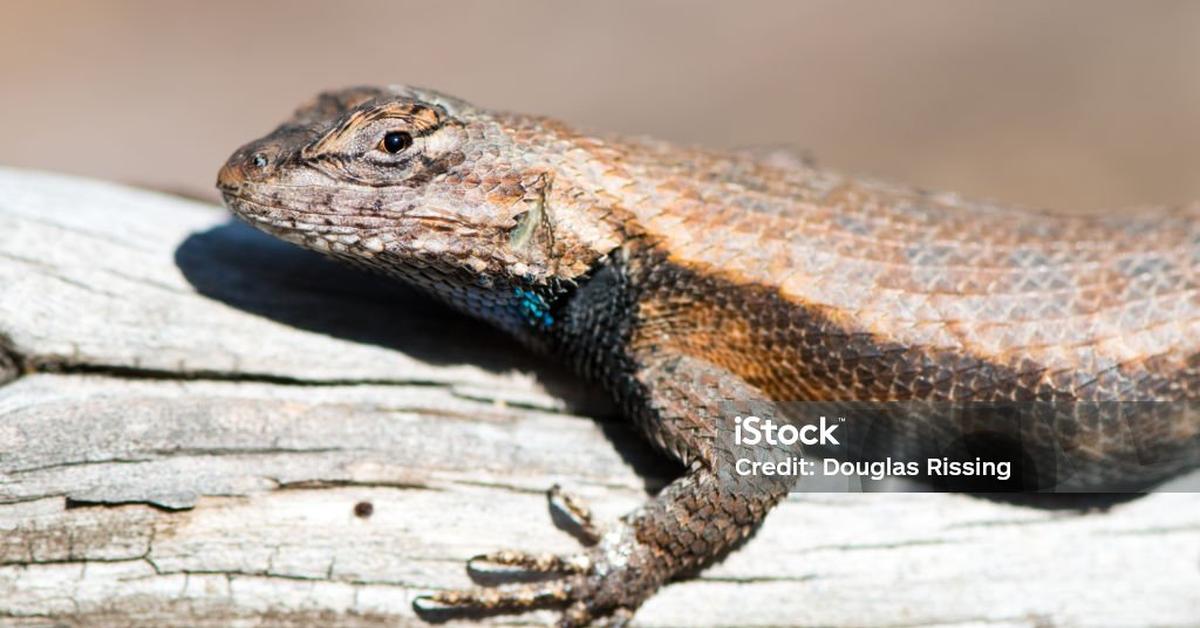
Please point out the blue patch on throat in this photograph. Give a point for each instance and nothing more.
(533, 308)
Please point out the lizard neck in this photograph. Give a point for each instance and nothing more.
(595, 323)
(568, 320)
(581, 321)
(525, 312)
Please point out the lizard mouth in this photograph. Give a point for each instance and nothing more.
(288, 223)
(293, 223)
(255, 210)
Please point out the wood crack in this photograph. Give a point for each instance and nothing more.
(59, 366)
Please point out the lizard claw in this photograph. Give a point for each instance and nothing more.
(577, 513)
(598, 584)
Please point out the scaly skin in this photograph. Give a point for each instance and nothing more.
(681, 279)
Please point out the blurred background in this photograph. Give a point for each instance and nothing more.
(1071, 105)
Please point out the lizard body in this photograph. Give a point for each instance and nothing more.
(681, 278)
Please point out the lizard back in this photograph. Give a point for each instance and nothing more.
(871, 291)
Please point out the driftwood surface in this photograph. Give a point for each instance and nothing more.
(192, 412)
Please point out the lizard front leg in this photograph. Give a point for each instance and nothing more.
(677, 400)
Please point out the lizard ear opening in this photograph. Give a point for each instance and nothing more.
(528, 221)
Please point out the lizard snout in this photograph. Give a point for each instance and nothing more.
(249, 164)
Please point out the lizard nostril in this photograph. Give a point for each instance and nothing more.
(248, 165)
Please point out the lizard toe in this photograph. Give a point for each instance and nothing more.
(501, 563)
(510, 598)
(602, 585)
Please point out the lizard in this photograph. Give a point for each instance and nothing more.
(679, 278)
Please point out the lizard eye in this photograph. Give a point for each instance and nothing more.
(395, 141)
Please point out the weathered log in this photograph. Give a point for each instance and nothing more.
(204, 426)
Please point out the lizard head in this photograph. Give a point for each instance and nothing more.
(423, 186)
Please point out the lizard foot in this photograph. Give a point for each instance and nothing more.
(604, 583)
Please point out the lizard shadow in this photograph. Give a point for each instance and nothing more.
(251, 271)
